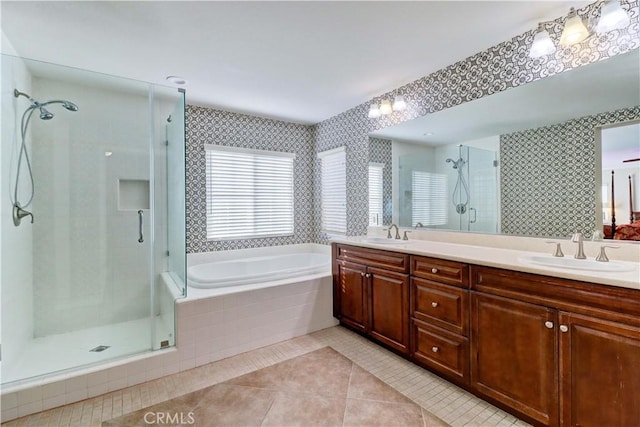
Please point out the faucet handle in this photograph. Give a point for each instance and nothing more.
(558, 253)
(405, 237)
(602, 257)
(577, 237)
(388, 230)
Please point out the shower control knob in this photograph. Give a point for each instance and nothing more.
(434, 304)
(434, 270)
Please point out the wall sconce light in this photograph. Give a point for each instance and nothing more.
(542, 44)
(386, 108)
(612, 17)
(574, 29)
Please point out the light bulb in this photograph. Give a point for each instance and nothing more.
(612, 17)
(399, 103)
(542, 44)
(574, 29)
(374, 111)
(385, 107)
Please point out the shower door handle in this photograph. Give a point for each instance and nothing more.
(140, 223)
(475, 215)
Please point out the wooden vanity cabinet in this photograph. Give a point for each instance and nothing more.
(559, 352)
(371, 293)
(439, 316)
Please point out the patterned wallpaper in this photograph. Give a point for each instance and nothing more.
(210, 126)
(496, 69)
(499, 68)
(380, 152)
(549, 176)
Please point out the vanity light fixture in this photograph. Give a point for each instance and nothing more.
(574, 29)
(612, 17)
(542, 44)
(385, 108)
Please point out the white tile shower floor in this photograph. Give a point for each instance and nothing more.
(59, 352)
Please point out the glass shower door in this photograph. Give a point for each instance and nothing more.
(483, 192)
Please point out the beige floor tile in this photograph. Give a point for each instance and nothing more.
(369, 413)
(290, 410)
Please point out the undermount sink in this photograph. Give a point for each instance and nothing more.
(577, 264)
(384, 241)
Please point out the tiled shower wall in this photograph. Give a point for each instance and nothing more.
(208, 126)
(556, 164)
(501, 67)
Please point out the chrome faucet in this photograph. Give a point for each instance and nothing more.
(419, 225)
(389, 232)
(579, 239)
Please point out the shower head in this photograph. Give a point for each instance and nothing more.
(45, 114)
(70, 106)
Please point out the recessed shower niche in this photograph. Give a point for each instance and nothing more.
(133, 194)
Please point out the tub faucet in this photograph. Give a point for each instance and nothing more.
(419, 225)
(389, 232)
(579, 239)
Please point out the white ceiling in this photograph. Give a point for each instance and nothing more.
(299, 61)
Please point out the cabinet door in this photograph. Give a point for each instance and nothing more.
(352, 295)
(390, 308)
(600, 371)
(514, 357)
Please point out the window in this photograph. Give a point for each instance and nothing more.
(428, 198)
(375, 193)
(249, 193)
(333, 191)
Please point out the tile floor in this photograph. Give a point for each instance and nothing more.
(446, 401)
(320, 388)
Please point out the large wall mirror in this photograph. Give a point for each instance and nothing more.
(525, 161)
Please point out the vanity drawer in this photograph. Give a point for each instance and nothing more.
(388, 260)
(451, 272)
(441, 351)
(441, 305)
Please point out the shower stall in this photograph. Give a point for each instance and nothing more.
(449, 187)
(93, 218)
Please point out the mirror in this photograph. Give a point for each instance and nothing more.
(543, 137)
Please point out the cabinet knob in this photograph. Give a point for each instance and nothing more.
(564, 328)
(434, 304)
(435, 349)
(362, 274)
(367, 275)
(548, 324)
(434, 270)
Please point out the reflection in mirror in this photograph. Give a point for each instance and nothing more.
(543, 137)
(620, 179)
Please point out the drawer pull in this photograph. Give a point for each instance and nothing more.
(548, 325)
(564, 328)
(434, 304)
(435, 349)
(434, 270)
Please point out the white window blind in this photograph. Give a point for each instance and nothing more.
(333, 191)
(375, 193)
(428, 198)
(249, 193)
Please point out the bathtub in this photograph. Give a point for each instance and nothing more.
(256, 269)
(244, 299)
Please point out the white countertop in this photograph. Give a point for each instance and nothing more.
(509, 259)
